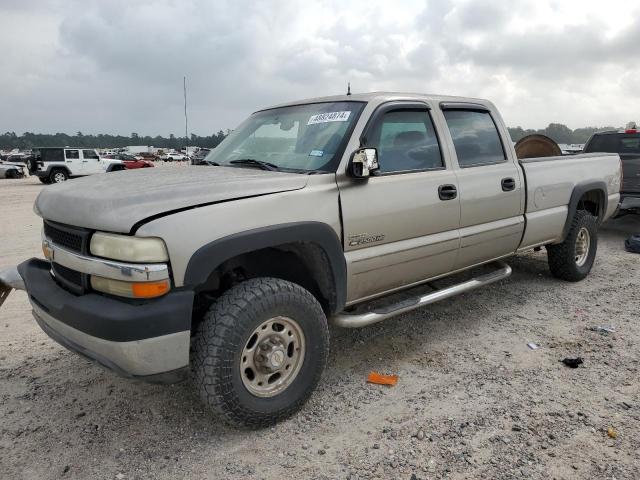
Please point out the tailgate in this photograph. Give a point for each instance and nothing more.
(631, 173)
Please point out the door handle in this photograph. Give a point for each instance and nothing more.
(447, 192)
(85, 161)
(508, 184)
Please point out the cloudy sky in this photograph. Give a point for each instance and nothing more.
(116, 66)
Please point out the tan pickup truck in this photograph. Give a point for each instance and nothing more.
(306, 212)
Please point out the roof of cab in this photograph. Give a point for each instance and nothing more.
(384, 97)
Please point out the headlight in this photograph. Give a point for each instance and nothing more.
(130, 289)
(128, 249)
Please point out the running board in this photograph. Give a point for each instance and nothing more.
(356, 320)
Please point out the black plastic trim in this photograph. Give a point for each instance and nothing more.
(390, 106)
(463, 106)
(208, 257)
(107, 317)
(47, 172)
(578, 191)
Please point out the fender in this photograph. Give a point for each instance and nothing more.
(115, 167)
(578, 191)
(47, 172)
(208, 257)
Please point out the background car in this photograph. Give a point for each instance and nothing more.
(131, 162)
(199, 156)
(11, 170)
(173, 156)
(148, 156)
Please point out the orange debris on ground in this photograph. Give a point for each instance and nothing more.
(378, 379)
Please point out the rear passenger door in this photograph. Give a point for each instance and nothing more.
(73, 162)
(400, 225)
(490, 186)
(90, 162)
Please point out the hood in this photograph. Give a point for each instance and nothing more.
(116, 201)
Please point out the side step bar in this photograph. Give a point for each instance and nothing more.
(356, 320)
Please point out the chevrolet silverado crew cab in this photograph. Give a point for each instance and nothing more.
(308, 212)
(55, 165)
(625, 143)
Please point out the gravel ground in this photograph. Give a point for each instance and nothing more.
(473, 401)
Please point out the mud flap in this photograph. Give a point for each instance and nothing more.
(9, 279)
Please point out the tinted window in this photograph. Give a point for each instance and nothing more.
(50, 155)
(406, 140)
(71, 154)
(615, 143)
(475, 137)
(90, 154)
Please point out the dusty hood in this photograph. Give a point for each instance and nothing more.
(116, 201)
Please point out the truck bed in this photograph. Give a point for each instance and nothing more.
(550, 183)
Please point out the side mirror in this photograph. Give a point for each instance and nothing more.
(364, 162)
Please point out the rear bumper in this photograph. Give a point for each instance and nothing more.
(148, 340)
(629, 201)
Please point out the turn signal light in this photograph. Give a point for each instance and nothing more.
(130, 289)
(150, 289)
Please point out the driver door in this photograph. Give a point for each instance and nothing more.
(401, 224)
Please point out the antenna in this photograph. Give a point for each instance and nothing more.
(348, 88)
(186, 135)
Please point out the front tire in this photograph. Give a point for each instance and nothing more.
(260, 351)
(572, 259)
(58, 176)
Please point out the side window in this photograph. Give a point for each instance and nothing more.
(406, 140)
(475, 137)
(71, 154)
(90, 154)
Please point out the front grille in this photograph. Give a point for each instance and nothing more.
(71, 238)
(69, 279)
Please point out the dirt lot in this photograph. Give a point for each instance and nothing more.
(473, 401)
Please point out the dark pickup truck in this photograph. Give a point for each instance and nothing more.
(625, 143)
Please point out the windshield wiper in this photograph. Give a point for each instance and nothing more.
(213, 164)
(258, 163)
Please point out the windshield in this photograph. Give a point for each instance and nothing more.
(299, 138)
(622, 143)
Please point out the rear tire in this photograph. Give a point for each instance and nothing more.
(572, 259)
(260, 351)
(58, 176)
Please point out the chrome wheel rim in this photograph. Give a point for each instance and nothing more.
(583, 243)
(272, 357)
(59, 177)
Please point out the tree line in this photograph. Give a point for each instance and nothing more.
(29, 140)
(558, 132)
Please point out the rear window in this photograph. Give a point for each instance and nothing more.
(51, 155)
(475, 137)
(615, 143)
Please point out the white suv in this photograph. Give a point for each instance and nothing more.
(173, 156)
(55, 165)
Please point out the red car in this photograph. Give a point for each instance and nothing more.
(131, 162)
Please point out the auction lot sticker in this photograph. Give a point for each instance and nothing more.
(329, 117)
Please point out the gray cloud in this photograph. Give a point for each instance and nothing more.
(117, 66)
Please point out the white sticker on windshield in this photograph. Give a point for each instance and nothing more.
(316, 153)
(329, 117)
